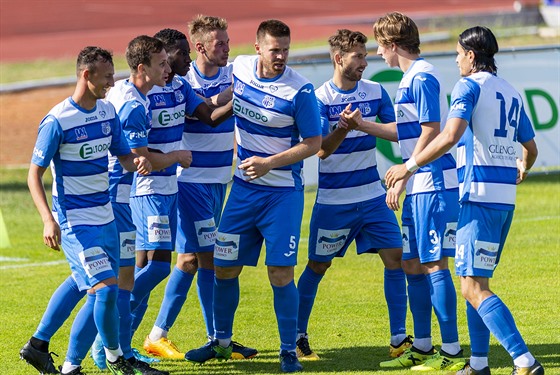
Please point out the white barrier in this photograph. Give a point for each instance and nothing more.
(534, 72)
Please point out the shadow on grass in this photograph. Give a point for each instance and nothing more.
(350, 360)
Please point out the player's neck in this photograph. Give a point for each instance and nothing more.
(141, 84)
(84, 99)
(342, 83)
(206, 68)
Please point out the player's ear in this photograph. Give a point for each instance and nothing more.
(200, 48)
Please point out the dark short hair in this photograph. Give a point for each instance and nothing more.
(169, 37)
(89, 56)
(274, 28)
(484, 45)
(397, 28)
(140, 50)
(344, 40)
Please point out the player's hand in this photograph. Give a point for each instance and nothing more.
(521, 172)
(352, 118)
(254, 167)
(143, 165)
(396, 173)
(51, 235)
(184, 158)
(393, 195)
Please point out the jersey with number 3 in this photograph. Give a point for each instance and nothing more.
(487, 151)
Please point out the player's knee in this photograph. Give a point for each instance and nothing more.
(319, 267)
(187, 263)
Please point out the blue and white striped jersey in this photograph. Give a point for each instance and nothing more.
(168, 106)
(133, 109)
(420, 99)
(76, 144)
(270, 117)
(487, 151)
(212, 148)
(349, 174)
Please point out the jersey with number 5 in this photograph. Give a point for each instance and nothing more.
(487, 151)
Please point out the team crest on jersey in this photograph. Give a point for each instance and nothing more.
(362, 94)
(106, 128)
(81, 133)
(365, 108)
(159, 100)
(102, 114)
(268, 101)
(179, 97)
(239, 87)
(273, 88)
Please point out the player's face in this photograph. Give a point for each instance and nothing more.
(179, 58)
(353, 63)
(216, 49)
(159, 70)
(464, 61)
(101, 79)
(388, 54)
(273, 55)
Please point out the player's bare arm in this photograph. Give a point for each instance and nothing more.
(255, 166)
(214, 117)
(160, 160)
(530, 153)
(51, 229)
(386, 131)
(135, 163)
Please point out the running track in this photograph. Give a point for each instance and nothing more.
(34, 29)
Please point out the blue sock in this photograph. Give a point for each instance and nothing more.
(205, 289)
(420, 305)
(286, 305)
(478, 333)
(395, 294)
(125, 325)
(106, 316)
(499, 321)
(82, 333)
(308, 284)
(147, 279)
(174, 297)
(444, 300)
(226, 299)
(61, 304)
(138, 314)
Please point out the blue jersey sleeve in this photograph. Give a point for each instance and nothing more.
(425, 89)
(307, 113)
(386, 111)
(525, 131)
(325, 126)
(119, 146)
(49, 138)
(464, 96)
(135, 124)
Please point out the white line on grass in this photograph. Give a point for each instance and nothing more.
(10, 259)
(538, 218)
(53, 263)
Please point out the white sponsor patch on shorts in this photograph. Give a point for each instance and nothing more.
(159, 229)
(330, 241)
(226, 246)
(95, 260)
(205, 232)
(127, 242)
(405, 240)
(450, 236)
(485, 254)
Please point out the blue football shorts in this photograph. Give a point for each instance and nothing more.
(92, 252)
(200, 209)
(429, 225)
(127, 233)
(252, 215)
(481, 236)
(333, 228)
(155, 217)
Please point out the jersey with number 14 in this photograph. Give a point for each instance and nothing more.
(270, 117)
(487, 151)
